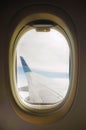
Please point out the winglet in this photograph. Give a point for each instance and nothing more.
(25, 66)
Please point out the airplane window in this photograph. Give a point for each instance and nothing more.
(42, 67)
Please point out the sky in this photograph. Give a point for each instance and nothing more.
(44, 51)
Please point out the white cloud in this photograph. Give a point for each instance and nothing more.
(45, 50)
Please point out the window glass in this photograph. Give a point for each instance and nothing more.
(42, 67)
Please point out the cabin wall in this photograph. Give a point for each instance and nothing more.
(75, 119)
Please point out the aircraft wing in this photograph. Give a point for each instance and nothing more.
(40, 89)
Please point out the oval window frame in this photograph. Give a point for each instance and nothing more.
(31, 107)
(51, 115)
